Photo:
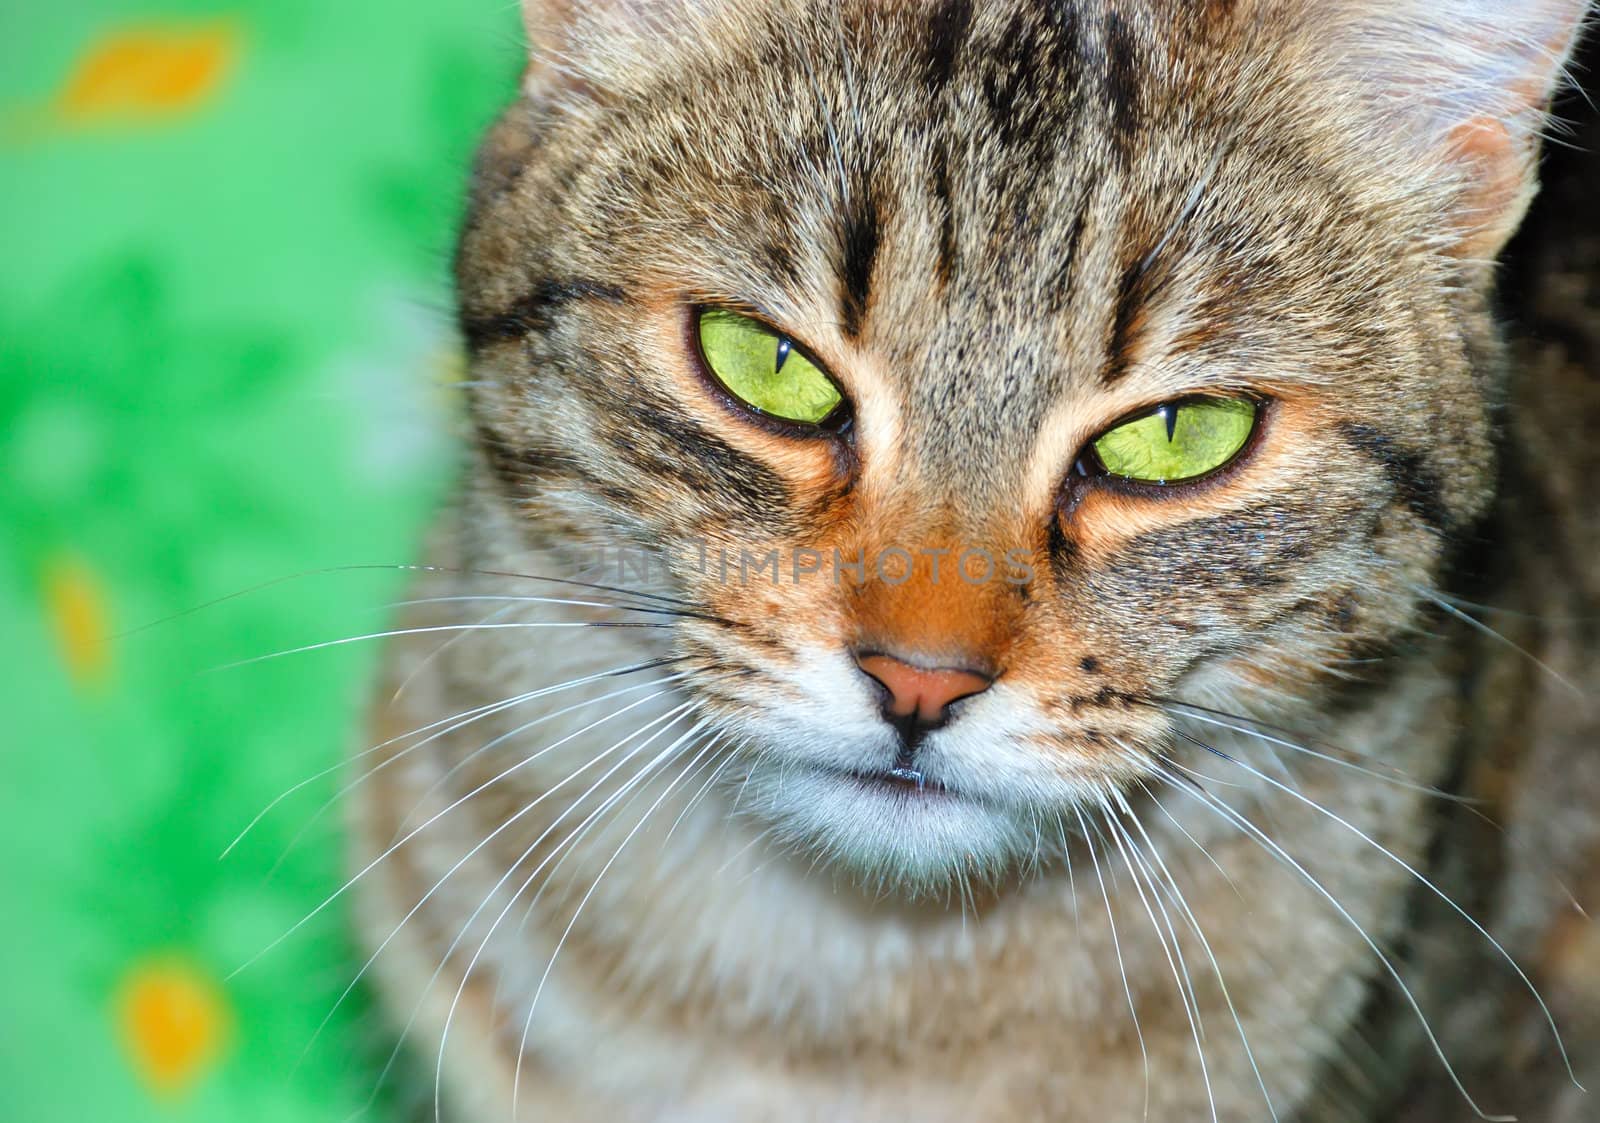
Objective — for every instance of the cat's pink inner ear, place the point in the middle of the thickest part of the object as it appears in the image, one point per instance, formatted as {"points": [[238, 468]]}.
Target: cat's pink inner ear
{"points": [[1498, 148], [1499, 184]]}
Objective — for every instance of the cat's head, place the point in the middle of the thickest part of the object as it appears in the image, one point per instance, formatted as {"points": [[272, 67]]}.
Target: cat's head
{"points": [[988, 373]]}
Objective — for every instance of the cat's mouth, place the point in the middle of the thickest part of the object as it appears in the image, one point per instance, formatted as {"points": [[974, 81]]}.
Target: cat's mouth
{"points": [[892, 825], [908, 781]]}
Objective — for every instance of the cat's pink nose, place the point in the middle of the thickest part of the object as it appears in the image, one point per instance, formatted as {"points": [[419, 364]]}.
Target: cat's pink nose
{"points": [[919, 692]]}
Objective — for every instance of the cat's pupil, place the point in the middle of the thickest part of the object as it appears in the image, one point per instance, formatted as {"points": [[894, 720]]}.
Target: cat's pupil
{"points": [[784, 347], [1169, 414]]}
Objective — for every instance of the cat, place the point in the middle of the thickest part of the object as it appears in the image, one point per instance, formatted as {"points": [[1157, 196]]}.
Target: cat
{"points": [[1006, 569]]}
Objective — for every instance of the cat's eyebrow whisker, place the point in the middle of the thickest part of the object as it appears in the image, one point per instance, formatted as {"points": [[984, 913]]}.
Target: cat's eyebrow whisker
{"points": [[1428, 883], [1191, 204], [1168, 940], [374, 863], [462, 719], [1116, 946], [670, 718], [836, 150], [466, 976], [1231, 815]]}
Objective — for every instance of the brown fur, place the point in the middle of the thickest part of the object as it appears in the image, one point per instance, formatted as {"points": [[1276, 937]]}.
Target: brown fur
{"points": [[1002, 227]]}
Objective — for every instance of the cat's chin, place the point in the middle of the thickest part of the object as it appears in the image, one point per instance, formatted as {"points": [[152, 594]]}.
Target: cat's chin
{"points": [[890, 832]]}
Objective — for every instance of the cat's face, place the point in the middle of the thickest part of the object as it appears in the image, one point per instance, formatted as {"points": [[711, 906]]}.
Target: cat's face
{"points": [[991, 233]]}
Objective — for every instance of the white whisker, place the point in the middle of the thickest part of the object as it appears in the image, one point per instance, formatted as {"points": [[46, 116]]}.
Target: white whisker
{"points": [[1179, 969], [573, 920], [1261, 838], [466, 975], [512, 601], [1256, 731], [1480, 626], [373, 864], [432, 629], [465, 858], [1116, 946], [439, 649], [461, 721], [1499, 948], [456, 767], [1177, 896]]}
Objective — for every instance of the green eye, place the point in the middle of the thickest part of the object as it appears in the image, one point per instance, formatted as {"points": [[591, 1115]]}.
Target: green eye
{"points": [[1179, 440], [765, 370]]}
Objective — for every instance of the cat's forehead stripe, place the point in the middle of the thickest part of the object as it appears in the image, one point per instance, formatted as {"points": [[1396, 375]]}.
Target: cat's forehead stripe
{"points": [[1029, 70], [1133, 291], [1122, 84], [862, 235], [949, 27], [949, 249]]}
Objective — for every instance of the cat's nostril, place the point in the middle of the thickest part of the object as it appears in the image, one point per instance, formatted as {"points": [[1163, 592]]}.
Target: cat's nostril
{"points": [[921, 694]]}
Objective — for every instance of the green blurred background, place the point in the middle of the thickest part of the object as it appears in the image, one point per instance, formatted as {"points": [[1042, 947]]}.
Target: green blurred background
{"points": [[225, 359]]}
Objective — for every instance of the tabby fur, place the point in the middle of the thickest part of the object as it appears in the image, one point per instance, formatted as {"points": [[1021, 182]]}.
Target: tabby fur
{"points": [[1173, 862]]}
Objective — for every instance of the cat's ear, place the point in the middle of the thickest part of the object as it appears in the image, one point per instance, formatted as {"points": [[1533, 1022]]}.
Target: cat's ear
{"points": [[581, 44], [1466, 86], [556, 31]]}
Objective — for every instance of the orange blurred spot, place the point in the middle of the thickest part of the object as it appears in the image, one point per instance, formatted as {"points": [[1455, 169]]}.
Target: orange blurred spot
{"points": [[76, 603], [174, 1021], [141, 73]]}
